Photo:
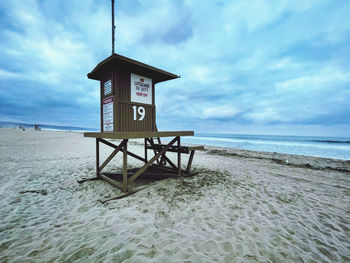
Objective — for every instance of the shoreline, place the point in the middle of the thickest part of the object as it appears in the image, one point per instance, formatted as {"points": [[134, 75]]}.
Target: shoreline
{"points": [[343, 143], [242, 206]]}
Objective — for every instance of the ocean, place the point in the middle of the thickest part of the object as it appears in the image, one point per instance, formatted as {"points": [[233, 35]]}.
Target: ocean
{"points": [[329, 147]]}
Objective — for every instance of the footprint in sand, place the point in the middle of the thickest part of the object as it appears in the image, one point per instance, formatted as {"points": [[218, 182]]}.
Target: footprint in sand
{"points": [[161, 219]]}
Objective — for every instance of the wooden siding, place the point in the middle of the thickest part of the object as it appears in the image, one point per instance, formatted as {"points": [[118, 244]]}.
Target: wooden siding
{"points": [[122, 85], [125, 117], [123, 113]]}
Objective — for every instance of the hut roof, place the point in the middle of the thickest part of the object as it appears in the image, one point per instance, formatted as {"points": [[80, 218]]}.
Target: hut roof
{"points": [[116, 61]]}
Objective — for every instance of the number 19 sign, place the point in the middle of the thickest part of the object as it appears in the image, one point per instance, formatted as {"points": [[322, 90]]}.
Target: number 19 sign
{"points": [[139, 111]]}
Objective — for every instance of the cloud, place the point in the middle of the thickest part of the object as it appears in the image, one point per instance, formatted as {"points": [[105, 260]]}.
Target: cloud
{"points": [[220, 112], [242, 63], [306, 98], [4, 74], [326, 79]]}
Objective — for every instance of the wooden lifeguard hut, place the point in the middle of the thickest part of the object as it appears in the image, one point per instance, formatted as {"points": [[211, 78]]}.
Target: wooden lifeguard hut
{"points": [[128, 111], [127, 93]]}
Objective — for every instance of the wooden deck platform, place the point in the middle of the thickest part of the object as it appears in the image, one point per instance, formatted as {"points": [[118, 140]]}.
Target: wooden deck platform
{"points": [[159, 158], [137, 135]]}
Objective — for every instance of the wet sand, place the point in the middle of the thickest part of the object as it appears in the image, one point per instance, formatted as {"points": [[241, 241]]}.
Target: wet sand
{"points": [[243, 206]]}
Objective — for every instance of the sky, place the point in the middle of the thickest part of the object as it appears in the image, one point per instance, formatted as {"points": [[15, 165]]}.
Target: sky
{"points": [[246, 67]]}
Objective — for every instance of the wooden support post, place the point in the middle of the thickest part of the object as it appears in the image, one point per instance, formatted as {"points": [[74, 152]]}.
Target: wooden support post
{"points": [[136, 156], [151, 141], [165, 158], [111, 181], [125, 165], [141, 170], [110, 157], [97, 157], [108, 143], [145, 150], [188, 169], [179, 155]]}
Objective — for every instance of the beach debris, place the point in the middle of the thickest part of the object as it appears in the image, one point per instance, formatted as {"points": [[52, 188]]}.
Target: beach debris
{"points": [[122, 196], [43, 192], [84, 179], [282, 161]]}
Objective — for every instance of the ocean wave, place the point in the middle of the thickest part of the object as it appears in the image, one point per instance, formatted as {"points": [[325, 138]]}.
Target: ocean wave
{"points": [[309, 144], [331, 141]]}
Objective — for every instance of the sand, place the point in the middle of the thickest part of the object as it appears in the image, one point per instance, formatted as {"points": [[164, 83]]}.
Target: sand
{"points": [[243, 206]]}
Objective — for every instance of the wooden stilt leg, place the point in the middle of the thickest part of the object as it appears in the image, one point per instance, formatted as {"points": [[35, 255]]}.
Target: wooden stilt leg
{"points": [[178, 156], [97, 157], [163, 159], [154, 150], [110, 157], [141, 170], [188, 169], [125, 166], [145, 150]]}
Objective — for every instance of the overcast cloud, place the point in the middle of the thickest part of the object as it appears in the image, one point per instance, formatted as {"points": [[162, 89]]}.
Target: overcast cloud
{"points": [[263, 67]]}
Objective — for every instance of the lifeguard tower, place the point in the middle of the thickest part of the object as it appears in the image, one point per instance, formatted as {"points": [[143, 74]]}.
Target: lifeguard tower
{"points": [[128, 111], [127, 91]]}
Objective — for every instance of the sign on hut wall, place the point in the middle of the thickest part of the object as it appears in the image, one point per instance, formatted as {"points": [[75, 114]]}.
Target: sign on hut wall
{"points": [[107, 86], [108, 114], [141, 89]]}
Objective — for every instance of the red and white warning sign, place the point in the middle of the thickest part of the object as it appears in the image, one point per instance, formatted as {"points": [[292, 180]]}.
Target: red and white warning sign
{"points": [[141, 89], [108, 114]]}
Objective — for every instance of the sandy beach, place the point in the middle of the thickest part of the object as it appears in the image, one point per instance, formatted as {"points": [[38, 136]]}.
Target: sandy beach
{"points": [[243, 206]]}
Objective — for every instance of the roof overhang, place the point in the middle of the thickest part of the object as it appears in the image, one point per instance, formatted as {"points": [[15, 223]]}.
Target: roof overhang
{"points": [[116, 61]]}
